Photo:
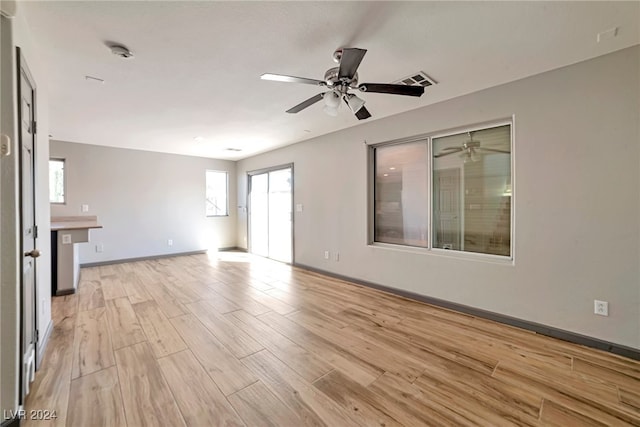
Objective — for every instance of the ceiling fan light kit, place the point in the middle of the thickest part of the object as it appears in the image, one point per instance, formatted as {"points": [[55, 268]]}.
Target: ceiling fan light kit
{"points": [[469, 156], [331, 111], [339, 80], [331, 103], [354, 103], [331, 99]]}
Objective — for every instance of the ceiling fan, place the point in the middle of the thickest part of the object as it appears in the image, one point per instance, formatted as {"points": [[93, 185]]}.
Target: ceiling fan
{"points": [[339, 81], [469, 150]]}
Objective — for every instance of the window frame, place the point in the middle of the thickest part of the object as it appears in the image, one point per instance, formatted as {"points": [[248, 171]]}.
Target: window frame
{"points": [[226, 209], [429, 249], [64, 179]]}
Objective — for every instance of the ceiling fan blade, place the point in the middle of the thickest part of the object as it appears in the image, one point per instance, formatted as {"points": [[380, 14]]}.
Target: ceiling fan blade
{"points": [[494, 150], [305, 104], [392, 89], [291, 79], [363, 113], [453, 151], [350, 61]]}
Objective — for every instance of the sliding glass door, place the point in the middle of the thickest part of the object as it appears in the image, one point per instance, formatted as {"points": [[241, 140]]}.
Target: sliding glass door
{"points": [[270, 214]]}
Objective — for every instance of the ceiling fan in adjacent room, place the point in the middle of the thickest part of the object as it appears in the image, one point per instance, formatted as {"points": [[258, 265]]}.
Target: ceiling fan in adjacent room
{"points": [[469, 150], [340, 80]]}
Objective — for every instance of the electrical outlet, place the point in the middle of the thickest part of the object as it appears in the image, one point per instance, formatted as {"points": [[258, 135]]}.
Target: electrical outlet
{"points": [[99, 247], [336, 256], [170, 242], [326, 254], [66, 239], [601, 307], [84, 208]]}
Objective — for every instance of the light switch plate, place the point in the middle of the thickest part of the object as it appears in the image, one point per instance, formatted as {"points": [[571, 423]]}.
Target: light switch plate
{"points": [[85, 208]]}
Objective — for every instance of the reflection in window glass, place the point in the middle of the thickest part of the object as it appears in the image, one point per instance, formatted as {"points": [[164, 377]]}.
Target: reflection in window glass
{"points": [[401, 194], [472, 191], [216, 194], [56, 181]]}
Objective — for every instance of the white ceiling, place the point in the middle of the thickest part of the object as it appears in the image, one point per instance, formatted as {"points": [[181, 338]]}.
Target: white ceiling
{"points": [[197, 64]]}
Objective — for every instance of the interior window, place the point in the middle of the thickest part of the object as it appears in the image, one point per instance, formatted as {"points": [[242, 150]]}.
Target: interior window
{"points": [[401, 194], [472, 191], [469, 181]]}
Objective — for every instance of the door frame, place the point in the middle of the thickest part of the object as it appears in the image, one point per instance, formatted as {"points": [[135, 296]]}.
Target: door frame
{"points": [[249, 209], [9, 244], [23, 69]]}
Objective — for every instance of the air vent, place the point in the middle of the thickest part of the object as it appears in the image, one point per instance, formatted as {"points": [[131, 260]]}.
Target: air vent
{"points": [[233, 149], [417, 79]]}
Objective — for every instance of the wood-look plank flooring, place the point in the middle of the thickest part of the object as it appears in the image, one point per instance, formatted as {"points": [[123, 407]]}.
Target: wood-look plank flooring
{"points": [[232, 340]]}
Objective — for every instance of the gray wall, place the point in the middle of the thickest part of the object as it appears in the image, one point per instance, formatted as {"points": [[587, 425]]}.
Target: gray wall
{"points": [[576, 199], [142, 199]]}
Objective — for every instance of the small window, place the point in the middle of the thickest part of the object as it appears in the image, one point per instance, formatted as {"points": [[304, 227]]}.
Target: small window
{"points": [[217, 202], [401, 194], [56, 181]]}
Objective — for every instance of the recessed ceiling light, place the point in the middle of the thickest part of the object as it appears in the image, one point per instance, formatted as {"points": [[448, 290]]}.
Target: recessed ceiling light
{"points": [[198, 139], [386, 174], [392, 168]]}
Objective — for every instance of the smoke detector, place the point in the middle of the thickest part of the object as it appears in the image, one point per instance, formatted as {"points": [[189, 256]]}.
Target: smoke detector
{"points": [[121, 51]]}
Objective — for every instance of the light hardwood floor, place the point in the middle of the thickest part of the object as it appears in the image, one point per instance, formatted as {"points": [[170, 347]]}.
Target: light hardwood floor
{"points": [[237, 340]]}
